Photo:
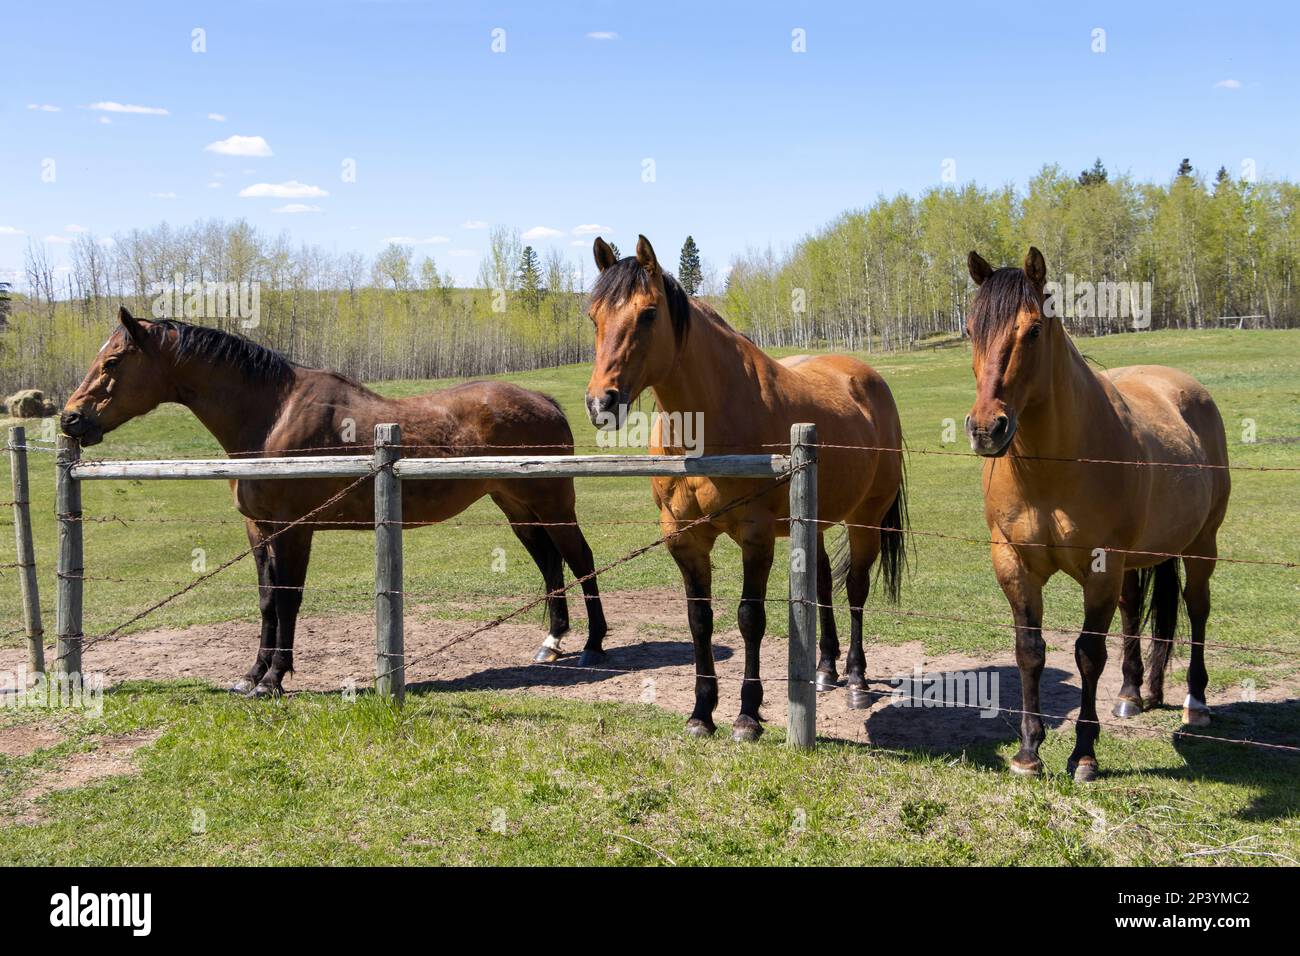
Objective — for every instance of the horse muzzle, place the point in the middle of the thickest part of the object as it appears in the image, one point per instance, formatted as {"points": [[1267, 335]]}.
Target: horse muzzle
{"points": [[993, 438], [607, 411], [86, 430]]}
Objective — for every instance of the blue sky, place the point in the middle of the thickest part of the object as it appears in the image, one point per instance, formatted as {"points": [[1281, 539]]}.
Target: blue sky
{"points": [[753, 144]]}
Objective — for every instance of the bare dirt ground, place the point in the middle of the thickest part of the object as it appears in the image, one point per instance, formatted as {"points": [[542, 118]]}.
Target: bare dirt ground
{"points": [[650, 661]]}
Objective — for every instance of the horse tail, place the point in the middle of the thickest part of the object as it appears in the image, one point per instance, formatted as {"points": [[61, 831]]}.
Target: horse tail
{"points": [[893, 542], [1162, 590], [893, 547]]}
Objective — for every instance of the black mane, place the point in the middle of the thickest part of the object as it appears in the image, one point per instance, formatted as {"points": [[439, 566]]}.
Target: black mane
{"points": [[626, 277], [257, 362], [995, 306]]}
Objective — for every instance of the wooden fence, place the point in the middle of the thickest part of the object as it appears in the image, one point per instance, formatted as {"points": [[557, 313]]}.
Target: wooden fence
{"points": [[391, 469]]}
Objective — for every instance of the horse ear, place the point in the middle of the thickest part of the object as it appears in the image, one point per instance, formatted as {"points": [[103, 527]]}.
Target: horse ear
{"points": [[979, 269], [1036, 268], [133, 327], [645, 254], [604, 254]]}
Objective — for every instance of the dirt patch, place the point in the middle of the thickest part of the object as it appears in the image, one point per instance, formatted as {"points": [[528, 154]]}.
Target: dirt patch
{"points": [[650, 660], [112, 757], [23, 740]]}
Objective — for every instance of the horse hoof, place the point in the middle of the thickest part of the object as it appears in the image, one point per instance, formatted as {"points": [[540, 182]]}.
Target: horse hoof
{"points": [[698, 728], [1026, 767], [243, 687], [1196, 715], [746, 729], [859, 697], [546, 655], [1151, 702], [265, 690], [827, 680], [592, 658], [1083, 770], [1127, 707]]}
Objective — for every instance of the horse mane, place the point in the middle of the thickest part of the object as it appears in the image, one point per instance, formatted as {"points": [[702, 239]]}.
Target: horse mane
{"points": [[257, 362], [626, 277], [995, 306]]}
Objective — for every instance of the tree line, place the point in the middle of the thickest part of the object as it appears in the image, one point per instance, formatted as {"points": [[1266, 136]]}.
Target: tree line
{"points": [[891, 275], [894, 274]]}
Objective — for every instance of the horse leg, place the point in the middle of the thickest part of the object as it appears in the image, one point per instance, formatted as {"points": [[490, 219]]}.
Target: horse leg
{"points": [[573, 547], [1166, 592], [1101, 595], [290, 553], [1129, 703], [266, 602], [1024, 593], [538, 544], [864, 547], [827, 677], [756, 556], [691, 552], [1196, 592]]}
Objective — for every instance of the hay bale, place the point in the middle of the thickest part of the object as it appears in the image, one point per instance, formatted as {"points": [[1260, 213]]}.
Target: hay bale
{"points": [[30, 403]]}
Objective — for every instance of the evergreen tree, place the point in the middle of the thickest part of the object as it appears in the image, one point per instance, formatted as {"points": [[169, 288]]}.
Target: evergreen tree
{"points": [[4, 304], [530, 279], [1185, 167], [688, 268], [1094, 176]]}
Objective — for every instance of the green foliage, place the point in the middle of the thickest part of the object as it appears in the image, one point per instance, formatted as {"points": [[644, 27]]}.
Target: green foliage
{"points": [[893, 275], [688, 269]]}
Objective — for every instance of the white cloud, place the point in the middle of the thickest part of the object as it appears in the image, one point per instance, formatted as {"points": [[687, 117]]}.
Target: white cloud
{"points": [[240, 146], [108, 106], [162, 195], [289, 190], [217, 117], [73, 227], [11, 231], [542, 232], [214, 185], [1228, 85], [294, 207], [57, 240], [591, 229], [43, 107], [473, 224], [602, 35], [105, 121], [412, 241]]}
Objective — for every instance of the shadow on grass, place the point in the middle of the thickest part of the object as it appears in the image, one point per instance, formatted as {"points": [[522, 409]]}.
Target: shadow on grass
{"points": [[976, 727], [1272, 776]]}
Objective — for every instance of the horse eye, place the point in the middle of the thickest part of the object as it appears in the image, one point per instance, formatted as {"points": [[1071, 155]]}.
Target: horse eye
{"points": [[1034, 330], [646, 316], [110, 363]]}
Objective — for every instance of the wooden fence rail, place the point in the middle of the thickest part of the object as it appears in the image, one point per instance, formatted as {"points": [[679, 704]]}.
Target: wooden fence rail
{"points": [[391, 469]]}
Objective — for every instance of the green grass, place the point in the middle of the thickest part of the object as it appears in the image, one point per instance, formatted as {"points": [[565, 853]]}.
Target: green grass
{"points": [[316, 779]]}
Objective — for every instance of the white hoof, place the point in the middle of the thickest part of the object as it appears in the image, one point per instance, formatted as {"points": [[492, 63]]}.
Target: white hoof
{"points": [[549, 652], [1196, 713]]}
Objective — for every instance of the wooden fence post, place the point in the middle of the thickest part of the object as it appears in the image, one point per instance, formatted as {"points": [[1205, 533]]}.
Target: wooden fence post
{"points": [[26, 553], [390, 660], [802, 694], [67, 603]]}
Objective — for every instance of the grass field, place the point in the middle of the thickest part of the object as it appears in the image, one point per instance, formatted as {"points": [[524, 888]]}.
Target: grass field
{"points": [[489, 777]]}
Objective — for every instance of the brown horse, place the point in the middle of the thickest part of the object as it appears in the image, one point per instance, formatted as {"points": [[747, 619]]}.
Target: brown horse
{"points": [[256, 402], [650, 335], [1114, 528]]}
